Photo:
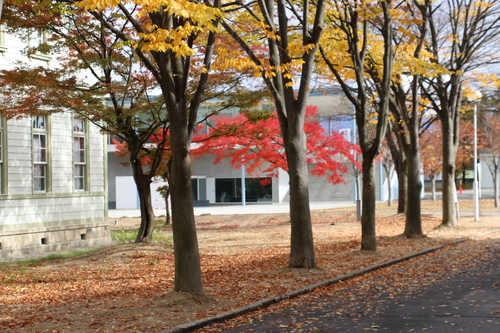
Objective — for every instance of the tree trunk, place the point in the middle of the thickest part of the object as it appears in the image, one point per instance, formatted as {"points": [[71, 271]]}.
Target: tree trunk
{"points": [[399, 161], [302, 246], [413, 225], [389, 187], [448, 187], [167, 207], [433, 182], [402, 190], [146, 228], [368, 235], [186, 253], [495, 185], [143, 185]]}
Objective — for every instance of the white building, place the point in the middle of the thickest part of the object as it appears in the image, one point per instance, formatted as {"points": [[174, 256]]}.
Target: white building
{"points": [[53, 189], [221, 183]]}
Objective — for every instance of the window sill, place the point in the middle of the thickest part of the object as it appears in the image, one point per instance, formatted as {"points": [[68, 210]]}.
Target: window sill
{"points": [[42, 57], [3, 49]]}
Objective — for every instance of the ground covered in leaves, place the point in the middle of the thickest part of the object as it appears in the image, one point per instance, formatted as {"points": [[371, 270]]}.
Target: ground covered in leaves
{"points": [[127, 287]]}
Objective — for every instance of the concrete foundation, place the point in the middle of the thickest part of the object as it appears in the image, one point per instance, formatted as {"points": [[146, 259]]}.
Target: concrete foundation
{"points": [[39, 242]]}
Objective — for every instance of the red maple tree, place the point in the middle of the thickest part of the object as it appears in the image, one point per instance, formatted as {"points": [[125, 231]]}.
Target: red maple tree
{"points": [[259, 146]]}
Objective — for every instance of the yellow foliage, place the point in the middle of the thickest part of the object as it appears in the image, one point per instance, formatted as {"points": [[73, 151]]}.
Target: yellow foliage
{"points": [[486, 80], [154, 38]]}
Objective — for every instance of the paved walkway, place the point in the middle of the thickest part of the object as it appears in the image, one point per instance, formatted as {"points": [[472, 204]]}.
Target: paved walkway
{"points": [[467, 302]]}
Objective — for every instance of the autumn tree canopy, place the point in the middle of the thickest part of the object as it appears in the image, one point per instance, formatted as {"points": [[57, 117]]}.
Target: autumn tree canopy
{"points": [[259, 146]]}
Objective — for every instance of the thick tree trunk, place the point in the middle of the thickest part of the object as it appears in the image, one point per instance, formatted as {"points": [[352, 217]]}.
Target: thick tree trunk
{"points": [[186, 253], [302, 246], [413, 225], [368, 235]]}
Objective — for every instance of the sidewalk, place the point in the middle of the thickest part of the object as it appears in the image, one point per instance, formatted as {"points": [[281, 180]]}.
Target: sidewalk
{"points": [[221, 209], [440, 300], [466, 302]]}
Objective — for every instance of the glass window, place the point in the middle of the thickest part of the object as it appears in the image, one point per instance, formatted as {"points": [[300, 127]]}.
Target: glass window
{"points": [[1, 157], [256, 190], [39, 154], [79, 154], [3, 49], [79, 125]]}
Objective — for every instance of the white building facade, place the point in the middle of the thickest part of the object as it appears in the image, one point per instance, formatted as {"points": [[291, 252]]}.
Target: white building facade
{"points": [[53, 188], [222, 184]]}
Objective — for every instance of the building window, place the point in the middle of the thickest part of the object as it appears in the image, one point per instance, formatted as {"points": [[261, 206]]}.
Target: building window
{"points": [[79, 154], [2, 171], [40, 154], [3, 48], [256, 190], [39, 41]]}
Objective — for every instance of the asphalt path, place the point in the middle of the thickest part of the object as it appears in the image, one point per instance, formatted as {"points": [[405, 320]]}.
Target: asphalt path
{"points": [[469, 301]]}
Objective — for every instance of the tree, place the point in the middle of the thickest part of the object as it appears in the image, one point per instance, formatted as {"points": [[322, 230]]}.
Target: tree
{"points": [[291, 32], [169, 36], [389, 167], [175, 42], [462, 37], [431, 151], [490, 153], [346, 53], [399, 160], [148, 160], [114, 73], [259, 146]]}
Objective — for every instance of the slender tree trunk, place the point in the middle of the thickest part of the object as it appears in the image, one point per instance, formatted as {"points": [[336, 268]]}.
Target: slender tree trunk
{"points": [[359, 191], [495, 184], [143, 185], [413, 225], [146, 228], [186, 253], [302, 246], [368, 234], [433, 182], [167, 207], [402, 190], [399, 160], [389, 172], [448, 187]]}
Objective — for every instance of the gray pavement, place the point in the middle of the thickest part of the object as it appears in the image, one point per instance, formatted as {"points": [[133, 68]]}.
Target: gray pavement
{"points": [[467, 302]]}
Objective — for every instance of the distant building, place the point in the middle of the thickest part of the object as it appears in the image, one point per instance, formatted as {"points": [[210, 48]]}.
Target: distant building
{"points": [[221, 183]]}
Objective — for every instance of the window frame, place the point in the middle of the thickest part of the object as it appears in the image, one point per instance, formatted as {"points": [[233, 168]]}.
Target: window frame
{"points": [[80, 155], [39, 37], [40, 154], [3, 47], [3, 167]]}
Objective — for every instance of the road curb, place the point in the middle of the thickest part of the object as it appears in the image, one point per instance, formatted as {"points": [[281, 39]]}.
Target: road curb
{"points": [[188, 327]]}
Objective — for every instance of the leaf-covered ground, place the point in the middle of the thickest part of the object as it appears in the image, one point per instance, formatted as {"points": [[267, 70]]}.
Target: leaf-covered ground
{"points": [[127, 287]]}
